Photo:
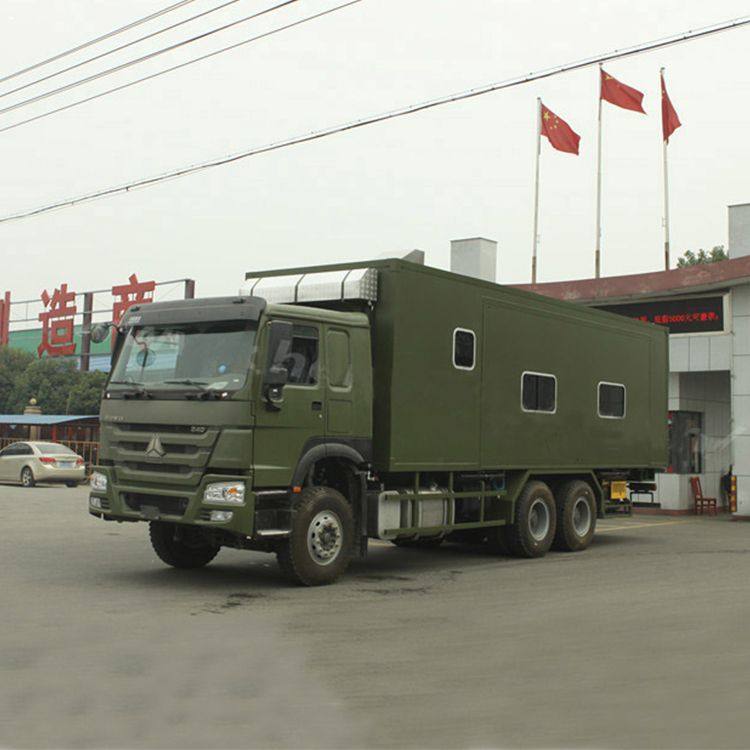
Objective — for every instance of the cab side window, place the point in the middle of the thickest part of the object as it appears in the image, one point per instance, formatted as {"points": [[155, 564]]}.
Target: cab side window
{"points": [[302, 361]]}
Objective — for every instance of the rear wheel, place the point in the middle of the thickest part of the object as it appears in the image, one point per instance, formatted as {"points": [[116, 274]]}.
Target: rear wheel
{"points": [[181, 546], [534, 521], [71, 484], [576, 516], [27, 477], [319, 548]]}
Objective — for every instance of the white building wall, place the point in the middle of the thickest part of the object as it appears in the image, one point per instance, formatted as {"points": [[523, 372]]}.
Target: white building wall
{"points": [[740, 428]]}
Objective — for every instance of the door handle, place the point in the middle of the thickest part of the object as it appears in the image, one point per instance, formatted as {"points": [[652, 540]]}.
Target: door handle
{"points": [[317, 406]]}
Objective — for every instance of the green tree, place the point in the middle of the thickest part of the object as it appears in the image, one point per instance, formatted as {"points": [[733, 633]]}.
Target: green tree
{"points": [[47, 380], [12, 363], [690, 258], [84, 397]]}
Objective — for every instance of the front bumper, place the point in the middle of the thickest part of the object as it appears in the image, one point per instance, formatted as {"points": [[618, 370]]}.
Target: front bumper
{"points": [[123, 502]]}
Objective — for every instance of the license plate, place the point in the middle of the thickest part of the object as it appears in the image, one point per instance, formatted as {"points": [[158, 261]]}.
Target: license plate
{"points": [[66, 464]]}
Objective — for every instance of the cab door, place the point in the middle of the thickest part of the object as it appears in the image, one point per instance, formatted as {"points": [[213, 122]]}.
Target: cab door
{"points": [[294, 421]]}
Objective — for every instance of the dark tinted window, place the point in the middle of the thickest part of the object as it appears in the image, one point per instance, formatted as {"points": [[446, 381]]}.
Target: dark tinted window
{"points": [[18, 449], [539, 392], [464, 345], [611, 400], [302, 361]]}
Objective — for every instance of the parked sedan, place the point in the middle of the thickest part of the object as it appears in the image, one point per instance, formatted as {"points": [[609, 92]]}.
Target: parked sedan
{"points": [[31, 461]]}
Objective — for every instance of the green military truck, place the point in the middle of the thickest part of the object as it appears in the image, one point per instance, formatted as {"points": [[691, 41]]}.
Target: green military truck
{"points": [[329, 405]]}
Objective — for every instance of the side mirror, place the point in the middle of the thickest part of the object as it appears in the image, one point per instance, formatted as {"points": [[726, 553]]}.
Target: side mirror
{"points": [[99, 332], [276, 374]]}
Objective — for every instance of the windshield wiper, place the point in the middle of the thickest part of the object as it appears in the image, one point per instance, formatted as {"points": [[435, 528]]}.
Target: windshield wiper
{"points": [[138, 389], [200, 385], [188, 381]]}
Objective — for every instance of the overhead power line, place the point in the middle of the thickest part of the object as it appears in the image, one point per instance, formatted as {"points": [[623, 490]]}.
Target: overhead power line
{"points": [[158, 73], [117, 49], [144, 58], [98, 39], [412, 109]]}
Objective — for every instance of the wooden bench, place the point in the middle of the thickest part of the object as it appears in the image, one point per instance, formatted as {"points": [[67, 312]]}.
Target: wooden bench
{"points": [[702, 503]]}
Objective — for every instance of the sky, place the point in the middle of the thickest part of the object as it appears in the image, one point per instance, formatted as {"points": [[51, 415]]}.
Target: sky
{"points": [[463, 170]]}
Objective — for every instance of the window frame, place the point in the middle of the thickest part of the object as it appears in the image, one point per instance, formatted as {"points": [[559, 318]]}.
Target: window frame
{"points": [[297, 324], [459, 329], [599, 400], [543, 375]]}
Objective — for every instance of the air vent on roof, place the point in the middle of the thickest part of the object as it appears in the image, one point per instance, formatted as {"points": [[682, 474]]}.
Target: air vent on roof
{"points": [[315, 286]]}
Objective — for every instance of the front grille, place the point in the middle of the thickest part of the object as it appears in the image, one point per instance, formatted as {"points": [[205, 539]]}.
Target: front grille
{"points": [[168, 505], [183, 450], [176, 428], [161, 468], [158, 453]]}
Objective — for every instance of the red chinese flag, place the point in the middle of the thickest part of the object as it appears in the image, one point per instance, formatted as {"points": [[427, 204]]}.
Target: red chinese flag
{"points": [[617, 93], [669, 120], [560, 134]]}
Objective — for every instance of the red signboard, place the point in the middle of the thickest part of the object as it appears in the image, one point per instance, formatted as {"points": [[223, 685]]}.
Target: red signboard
{"points": [[693, 315]]}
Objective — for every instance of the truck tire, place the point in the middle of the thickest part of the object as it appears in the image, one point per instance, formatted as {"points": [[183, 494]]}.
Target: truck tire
{"points": [[576, 516], [27, 477], [192, 550], [319, 548], [533, 529]]}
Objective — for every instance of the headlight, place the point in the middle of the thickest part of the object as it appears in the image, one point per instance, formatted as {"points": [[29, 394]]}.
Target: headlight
{"points": [[225, 493], [98, 482]]}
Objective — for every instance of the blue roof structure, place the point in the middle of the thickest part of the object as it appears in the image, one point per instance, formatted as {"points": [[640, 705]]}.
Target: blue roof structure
{"points": [[44, 419]]}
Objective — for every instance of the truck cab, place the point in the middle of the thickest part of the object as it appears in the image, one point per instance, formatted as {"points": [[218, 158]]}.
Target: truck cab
{"points": [[217, 411]]}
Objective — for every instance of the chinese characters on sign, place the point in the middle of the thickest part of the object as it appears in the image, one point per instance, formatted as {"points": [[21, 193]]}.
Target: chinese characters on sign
{"points": [[693, 315], [57, 323], [134, 293], [58, 317], [5, 319]]}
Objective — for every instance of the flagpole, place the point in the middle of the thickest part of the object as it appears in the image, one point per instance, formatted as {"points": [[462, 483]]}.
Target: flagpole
{"points": [[666, 193], [598, 254], [536, 187]]}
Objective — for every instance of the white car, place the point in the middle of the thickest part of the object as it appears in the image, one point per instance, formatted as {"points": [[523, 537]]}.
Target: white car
{"points": [[29, 462]]}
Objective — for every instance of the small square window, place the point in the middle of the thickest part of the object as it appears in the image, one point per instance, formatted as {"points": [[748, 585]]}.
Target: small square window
{"points": [[611, 400], [464, 349], [539, 392]]}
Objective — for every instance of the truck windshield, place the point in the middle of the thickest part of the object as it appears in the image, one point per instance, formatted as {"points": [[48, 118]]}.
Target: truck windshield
{"points": [[211, 356]]}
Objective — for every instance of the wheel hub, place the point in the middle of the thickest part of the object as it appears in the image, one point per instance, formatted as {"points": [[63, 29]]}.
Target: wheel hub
{"points": [[324, 537], [539, 520], [581, 516]]}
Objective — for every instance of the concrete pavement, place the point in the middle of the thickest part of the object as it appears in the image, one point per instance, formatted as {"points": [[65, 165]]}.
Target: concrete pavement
{"points": [[641, 641]]}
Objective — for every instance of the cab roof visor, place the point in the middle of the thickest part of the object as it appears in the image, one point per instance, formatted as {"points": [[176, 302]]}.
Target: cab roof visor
{"points": [[199, 310]]}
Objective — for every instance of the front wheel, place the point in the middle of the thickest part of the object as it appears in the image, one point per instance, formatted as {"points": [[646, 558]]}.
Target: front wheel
{"points": [[71, 484], [27, 477], [181, 546], [319, 548]]}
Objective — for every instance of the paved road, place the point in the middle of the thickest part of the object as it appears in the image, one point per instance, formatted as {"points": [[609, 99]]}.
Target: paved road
{"points": [[642, 641]]}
